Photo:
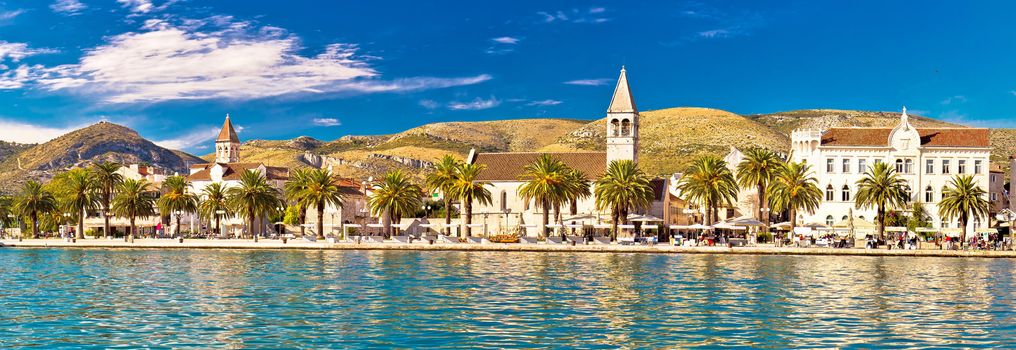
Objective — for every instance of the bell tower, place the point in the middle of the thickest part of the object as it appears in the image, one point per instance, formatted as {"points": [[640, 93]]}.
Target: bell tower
{"points": [[227, 145], [622, 123]]}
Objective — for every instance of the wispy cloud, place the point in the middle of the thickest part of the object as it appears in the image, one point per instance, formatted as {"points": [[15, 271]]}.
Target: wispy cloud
{"points": [[714, 23], [476, 104], [196, 137], [589, 82], [591, 15], [20, 132], [325, 122], [544, 103], [145, 6], [506, 40], [9, 15], [18, 51], [716, 33], [429, 104], [227, 60], [954, 99], [68, 7]]}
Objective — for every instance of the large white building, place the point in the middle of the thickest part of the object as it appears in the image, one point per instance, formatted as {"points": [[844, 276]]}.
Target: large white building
{"points": [[927, 158], [503, 171]]}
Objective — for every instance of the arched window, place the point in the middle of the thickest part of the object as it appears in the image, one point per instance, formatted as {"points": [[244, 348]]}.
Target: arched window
{"points": [[861, 217], [625, 127], [846, 193], [829, 193], [929, 195], [944, 189], [615, 128], [504, 201], [899, 165], [829, 220], [845, 218], [908, 166]]}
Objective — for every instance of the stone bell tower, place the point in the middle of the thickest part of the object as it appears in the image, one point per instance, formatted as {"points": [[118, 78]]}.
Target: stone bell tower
{"points": [[622, 123], [227, 145]]}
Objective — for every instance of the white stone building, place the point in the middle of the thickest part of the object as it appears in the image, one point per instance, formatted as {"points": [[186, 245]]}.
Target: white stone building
{"points": [[503, 170], [927, 158]]}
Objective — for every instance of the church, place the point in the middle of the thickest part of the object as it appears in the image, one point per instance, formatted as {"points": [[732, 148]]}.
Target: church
{"points": [[503, 170]]}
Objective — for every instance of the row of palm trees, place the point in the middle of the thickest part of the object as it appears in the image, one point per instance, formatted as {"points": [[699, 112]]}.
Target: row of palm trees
{"points": [[787, 186]]}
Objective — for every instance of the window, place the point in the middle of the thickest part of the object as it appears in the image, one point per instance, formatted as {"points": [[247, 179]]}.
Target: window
{"points": [[961, 166], [829, 193], [929, 195], [829, 220], [861, 217], [845, 195], [977, 167], [844, 218], [899, 165], [626, 127], [908, 166], [929, 166], [994, 196], [944, 189], [846, 166], [504, 201], [830, 165], [615, 127], [993, 178], [945, 166], [862, 166]]}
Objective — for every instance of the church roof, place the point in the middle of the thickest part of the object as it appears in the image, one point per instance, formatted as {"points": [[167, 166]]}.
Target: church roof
{"points": [[622, 102], [509, 166], [232, 171], [930, 137], [227, 133]]}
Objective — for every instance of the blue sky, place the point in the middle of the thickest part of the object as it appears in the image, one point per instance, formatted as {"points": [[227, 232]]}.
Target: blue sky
{"points": [[173, 69]]}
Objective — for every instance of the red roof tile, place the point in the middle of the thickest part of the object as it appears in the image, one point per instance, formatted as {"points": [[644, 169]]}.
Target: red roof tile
{"points": [[509, 166], [879, 137]]}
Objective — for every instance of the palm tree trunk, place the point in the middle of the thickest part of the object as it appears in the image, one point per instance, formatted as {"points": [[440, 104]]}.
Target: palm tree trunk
{"points": [[105, 215], [448, 215], [880, 217], [467, 207], [176, 230], [963, 226], [133, 229], [35, 224], [250, 224], [614, 221], [81, 226], [320, 220], [303, 220], [545, 218]]}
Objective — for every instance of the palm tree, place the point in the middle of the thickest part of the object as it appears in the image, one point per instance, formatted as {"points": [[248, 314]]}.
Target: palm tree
{"points": [[107, 180], [467, 189], [883, 189], [213, 204], [296, 184], [34, 201], [546, 184], [394, 197], [709, 183], [6, 212], [442, 179], [962, 199], [757, 169], [623, 188], [319, 188], [176, 199], [793, 189], [76, 189], [253, 198], [133, 200]]}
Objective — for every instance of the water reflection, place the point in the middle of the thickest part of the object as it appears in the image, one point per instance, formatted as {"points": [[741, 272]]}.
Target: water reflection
{"points": [[241, 299]]}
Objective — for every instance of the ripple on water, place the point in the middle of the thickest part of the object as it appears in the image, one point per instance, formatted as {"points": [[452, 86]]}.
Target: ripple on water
{"points": [[313, 299]]}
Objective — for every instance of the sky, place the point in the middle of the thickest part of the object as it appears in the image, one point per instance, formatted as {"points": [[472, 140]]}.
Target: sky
{"points": [[172, 69]]}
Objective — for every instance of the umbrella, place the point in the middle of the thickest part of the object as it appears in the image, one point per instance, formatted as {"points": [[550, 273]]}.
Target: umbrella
{"points": [[579, 217], [815, 225], [896, 229], [643, 218], [746, 221], [782, 226], [853, 223]]}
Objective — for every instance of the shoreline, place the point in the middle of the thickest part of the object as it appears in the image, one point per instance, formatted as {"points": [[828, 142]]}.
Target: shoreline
{"points": [[491, 247]]}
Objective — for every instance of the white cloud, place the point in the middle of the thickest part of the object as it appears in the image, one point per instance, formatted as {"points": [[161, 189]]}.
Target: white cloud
{"points": [[326, 122], [17, 51], [9, 15], [506, 40], [144, 6], [236, 61], [589, 82], [544, 103], [597, 10], [196, 137], [429, 104], [593, 15], [474, 105], [954, 99], [68, 7], [715, 33], [19, 132]]}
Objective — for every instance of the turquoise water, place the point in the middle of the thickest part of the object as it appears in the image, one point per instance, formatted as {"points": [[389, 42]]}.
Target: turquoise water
{"points": [[79, 298]]}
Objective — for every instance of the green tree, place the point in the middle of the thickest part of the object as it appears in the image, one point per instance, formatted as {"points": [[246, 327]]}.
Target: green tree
{"points": [[396, 195], [298, 180], [34, 201], [6, 212], [882, 188], [467, 189], [75, 190], [134, 199], [709, 183], [442, 178], [757, 170], [177, 199], [545, 183], [107, 180], [963, 199], [918, 217], [320, 188], [254, 197], [213, 204], [795, 189], [623, 188]]}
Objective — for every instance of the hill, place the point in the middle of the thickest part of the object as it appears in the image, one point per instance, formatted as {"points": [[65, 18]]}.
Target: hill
{"points": [[102, 141]]}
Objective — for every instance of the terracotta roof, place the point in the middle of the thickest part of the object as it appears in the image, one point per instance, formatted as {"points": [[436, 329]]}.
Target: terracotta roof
{"points": [[659, 188], [227, 133], [350, 187], [233, 171], [622, 101], [931, 137], [509, 166]]}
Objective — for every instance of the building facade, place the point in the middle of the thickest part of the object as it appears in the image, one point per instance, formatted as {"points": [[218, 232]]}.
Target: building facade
{"points": [[926, 158]]}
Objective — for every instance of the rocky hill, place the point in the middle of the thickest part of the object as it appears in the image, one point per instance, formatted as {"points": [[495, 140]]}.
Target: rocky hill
{"points": [[102, 141]]}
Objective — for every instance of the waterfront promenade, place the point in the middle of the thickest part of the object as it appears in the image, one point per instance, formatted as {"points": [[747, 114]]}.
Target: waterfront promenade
{"points": [[510, 247]]}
